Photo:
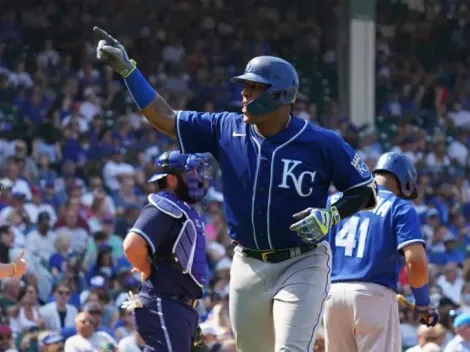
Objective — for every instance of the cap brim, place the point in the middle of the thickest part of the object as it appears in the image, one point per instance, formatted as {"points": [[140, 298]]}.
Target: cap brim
{"points": [[156, 177], [250, 77]]}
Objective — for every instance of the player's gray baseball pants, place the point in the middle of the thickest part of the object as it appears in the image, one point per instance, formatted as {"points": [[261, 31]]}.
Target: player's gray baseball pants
{"points": [[277, 307], [361, 317]]}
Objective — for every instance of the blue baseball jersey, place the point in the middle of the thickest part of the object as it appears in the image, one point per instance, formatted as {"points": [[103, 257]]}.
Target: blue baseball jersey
{"points": [[160, 231], [367, 246], [266, 180]]}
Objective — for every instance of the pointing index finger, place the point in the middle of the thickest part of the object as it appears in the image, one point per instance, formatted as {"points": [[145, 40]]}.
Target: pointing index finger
{"points": [[103, 35]]}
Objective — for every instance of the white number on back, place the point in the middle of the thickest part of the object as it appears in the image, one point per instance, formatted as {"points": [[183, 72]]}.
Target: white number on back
{"points": [[352, 232]]}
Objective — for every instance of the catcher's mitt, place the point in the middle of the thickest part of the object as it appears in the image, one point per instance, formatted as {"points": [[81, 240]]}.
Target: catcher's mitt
{"points": [[198, 342]]}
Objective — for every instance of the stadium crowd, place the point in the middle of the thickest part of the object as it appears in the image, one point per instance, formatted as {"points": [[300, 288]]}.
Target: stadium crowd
{"points": [[75, 153]]}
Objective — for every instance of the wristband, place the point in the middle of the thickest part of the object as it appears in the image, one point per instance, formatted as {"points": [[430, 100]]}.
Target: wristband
{"points": [[140, 89], [421, 295], [14, 269]]}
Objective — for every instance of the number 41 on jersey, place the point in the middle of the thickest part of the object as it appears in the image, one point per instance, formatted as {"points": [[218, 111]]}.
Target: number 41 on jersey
{"points": [[353, 234]]}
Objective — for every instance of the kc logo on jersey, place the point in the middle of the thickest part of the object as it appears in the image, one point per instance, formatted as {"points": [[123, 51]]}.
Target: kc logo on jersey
{"points": [[360, 166], [288, 173]]}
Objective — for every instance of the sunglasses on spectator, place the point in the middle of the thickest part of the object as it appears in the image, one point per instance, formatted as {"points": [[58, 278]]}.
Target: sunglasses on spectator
{"points": [[63, 293], [4, 337], [94, 312]]}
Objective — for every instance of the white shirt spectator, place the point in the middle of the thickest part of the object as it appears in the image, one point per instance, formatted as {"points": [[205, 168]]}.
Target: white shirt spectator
{"points": [[50, 314], [457, 344], [449, 289], [21, 186], [41, 246], [33, 210], [49, 56], [82, 122], [460, 118], [172, 53], [20, 79], [88, 198], [432, 161], [77, 343], [459, 152], [129, 344], [78, 237], [112, 170]]}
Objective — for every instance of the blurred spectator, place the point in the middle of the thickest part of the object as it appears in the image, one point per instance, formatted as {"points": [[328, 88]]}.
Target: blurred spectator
{"points": [[131, 343], [426, 335], [87, 338], [59, 314], [25, 315], [461, 342], [50, 341]]}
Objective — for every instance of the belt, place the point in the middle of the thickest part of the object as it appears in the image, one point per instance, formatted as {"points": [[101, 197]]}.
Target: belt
{"points": [[190, 302], [277, 256]]}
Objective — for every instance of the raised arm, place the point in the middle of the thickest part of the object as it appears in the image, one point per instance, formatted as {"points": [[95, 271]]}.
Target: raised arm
{"points": [[155, 109]]}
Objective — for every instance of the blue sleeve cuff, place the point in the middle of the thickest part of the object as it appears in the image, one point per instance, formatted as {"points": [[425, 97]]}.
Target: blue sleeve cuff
{"points": [[140, 89], [421, 295]]}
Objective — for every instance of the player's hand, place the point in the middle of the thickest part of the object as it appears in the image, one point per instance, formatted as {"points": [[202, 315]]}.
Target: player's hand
{"points": [[427, 316], [20, 265], [111, 52], [132, 302], [315, 223]]}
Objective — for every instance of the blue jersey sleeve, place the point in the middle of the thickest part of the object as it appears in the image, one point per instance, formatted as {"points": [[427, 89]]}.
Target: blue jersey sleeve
{"points": [[198, 132], [406, 225], [348, 170], [153, 225]]}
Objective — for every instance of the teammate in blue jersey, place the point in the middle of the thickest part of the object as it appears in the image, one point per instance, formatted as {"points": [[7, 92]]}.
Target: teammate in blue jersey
{"points": [[167, 246], [276, 172], [361, 312]]}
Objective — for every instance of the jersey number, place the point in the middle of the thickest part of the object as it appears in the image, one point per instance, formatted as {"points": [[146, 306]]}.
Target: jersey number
{"points": [[353, 231]]}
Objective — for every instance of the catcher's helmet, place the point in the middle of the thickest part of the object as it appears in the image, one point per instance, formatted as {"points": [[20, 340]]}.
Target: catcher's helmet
{"points": [[173, 162], [402, 167], [280, 77]]}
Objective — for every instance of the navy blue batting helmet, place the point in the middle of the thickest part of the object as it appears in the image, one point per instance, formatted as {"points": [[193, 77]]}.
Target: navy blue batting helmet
{"points": [[174, 163], [402, 167], [280, 77]]}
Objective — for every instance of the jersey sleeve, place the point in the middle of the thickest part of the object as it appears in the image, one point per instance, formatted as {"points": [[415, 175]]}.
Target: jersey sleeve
{"points": [[347, 169], [154, 226], [197, 132], [406, 225]]}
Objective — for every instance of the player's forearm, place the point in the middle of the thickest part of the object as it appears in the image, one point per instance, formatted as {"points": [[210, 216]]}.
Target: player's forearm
{"points": [[417, 268], [6, 270], [155, 109]]}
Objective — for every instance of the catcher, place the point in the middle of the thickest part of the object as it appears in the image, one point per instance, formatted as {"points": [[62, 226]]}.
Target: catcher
{"points": [[166, 246]]}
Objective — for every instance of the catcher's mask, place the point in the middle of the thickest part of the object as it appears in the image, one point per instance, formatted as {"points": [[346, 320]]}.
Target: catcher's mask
{"points": [[193, 169]]}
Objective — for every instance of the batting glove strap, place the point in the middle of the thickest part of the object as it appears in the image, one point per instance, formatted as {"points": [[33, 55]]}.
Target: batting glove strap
{"points": [[427, 316]]}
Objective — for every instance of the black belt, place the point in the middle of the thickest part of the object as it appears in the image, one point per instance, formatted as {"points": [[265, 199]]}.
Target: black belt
{"points": [[277, 256], [190, 302]]}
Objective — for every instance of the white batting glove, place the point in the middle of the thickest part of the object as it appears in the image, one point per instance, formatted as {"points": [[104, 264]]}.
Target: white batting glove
{"points": [[133, 302]]}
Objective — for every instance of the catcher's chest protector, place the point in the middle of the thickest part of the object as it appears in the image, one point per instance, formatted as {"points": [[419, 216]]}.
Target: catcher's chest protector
{"points": [[189, 248]]}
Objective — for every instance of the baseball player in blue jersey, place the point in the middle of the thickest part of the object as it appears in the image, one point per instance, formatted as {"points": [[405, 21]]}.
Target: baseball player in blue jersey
{"points": [[361, 312], [167, 246], [276, 172]]}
